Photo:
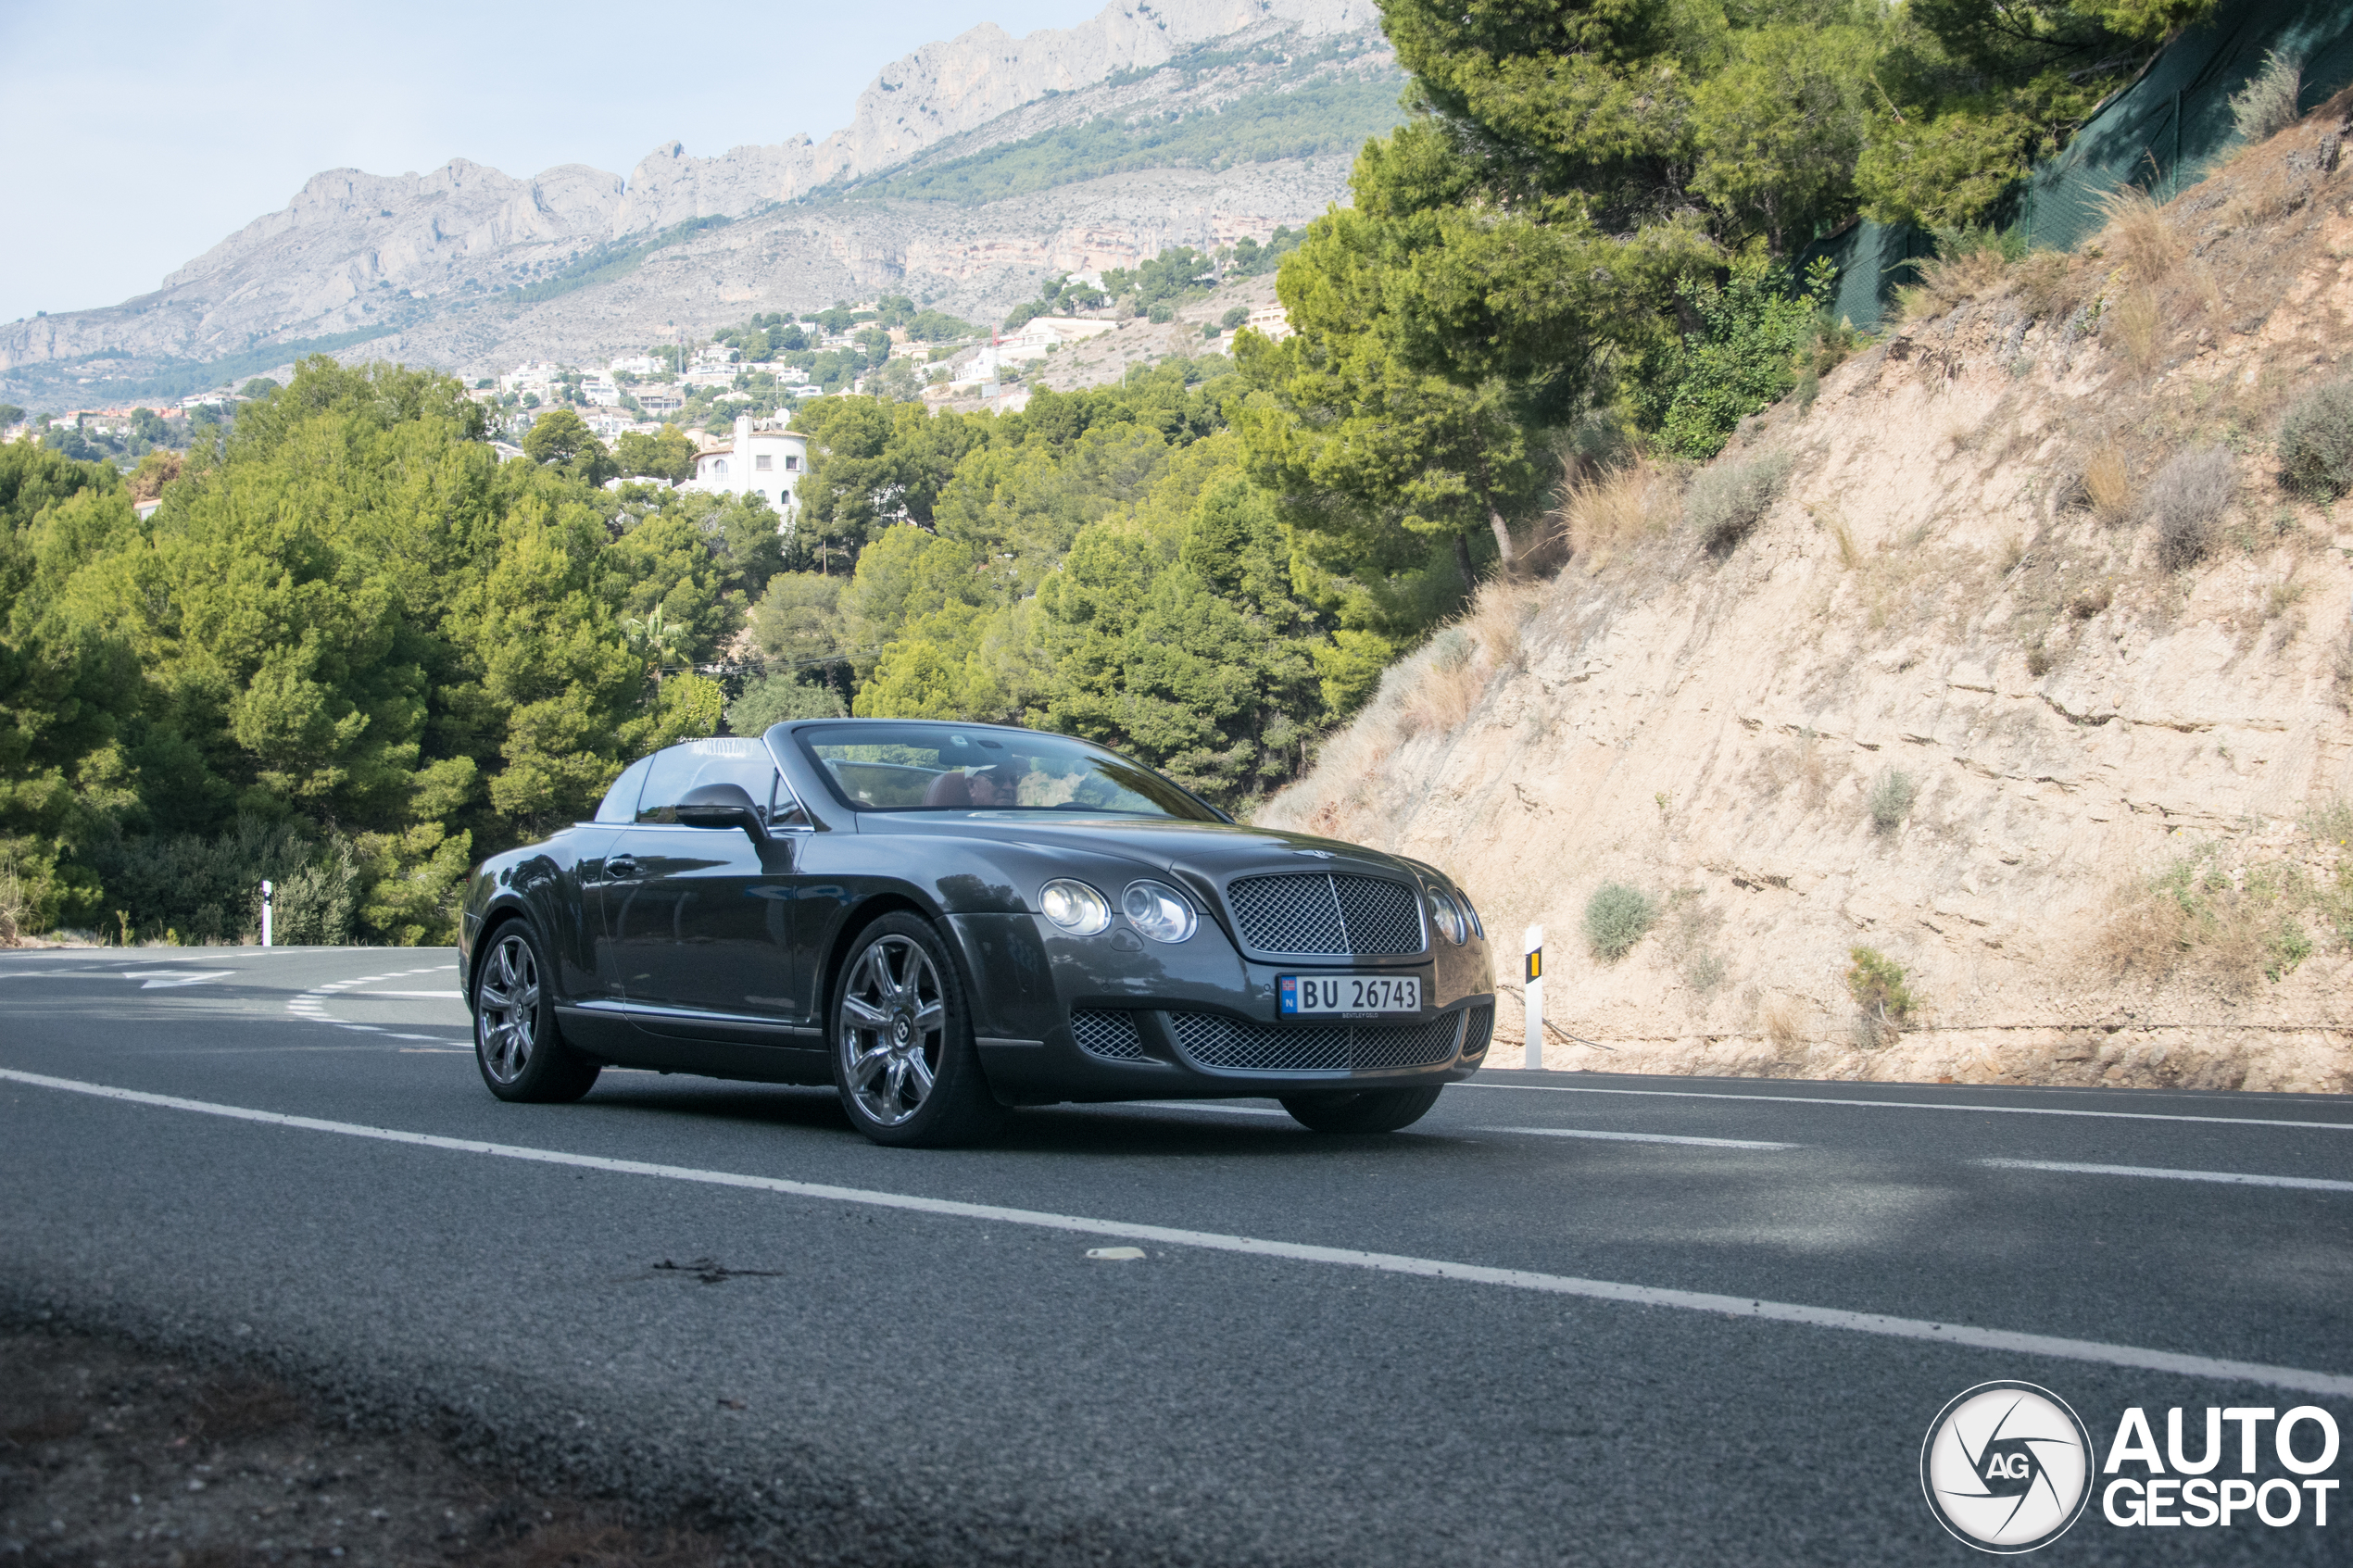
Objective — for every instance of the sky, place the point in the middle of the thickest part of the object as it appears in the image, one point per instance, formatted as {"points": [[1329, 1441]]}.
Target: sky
{"points": [[141, 134]]}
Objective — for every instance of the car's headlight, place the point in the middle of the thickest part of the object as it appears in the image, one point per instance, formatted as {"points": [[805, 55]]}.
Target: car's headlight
{"points": [[1448, 916], [1471, 913], [1074, 907], [1158, 911]]}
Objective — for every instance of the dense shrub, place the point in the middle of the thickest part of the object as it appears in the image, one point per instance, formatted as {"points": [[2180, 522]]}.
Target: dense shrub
{"points": [[2186, 501], [207, 888], [776, 698], [1617, 917], [1725, 501], [1883, 1000], [2266, 105], [1745, 359], [2316, 443], [1890, 797]]}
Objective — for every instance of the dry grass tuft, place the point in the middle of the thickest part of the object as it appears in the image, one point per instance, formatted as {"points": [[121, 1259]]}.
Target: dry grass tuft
{"points": [[2050, 284], [1952, 280], [2135, 327], [2266, 105], [1616, 510], [2107, 485], [2138, 231], [1783, 1026], [2186, 501], [2232, 929]]}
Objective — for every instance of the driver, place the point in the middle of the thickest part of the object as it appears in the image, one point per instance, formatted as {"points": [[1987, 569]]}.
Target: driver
{"points": [[996, 785]]}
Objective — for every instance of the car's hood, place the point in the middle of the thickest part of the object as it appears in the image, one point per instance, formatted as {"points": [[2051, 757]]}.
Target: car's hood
{"points": [[1214, 851]]}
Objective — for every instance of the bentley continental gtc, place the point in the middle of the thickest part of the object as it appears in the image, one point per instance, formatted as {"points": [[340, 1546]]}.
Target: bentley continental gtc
{"points": [[943, 921]]}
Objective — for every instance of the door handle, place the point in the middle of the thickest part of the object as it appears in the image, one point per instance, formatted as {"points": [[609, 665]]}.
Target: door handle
{"points": [[620, 869]]}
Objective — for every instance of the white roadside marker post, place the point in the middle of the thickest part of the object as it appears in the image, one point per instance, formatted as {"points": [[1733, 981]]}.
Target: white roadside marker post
{"points": [[265, 914], [1532, 978]]}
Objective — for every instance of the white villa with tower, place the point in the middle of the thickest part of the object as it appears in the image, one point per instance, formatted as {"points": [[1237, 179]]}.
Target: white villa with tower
{"points": [[762, 459]]}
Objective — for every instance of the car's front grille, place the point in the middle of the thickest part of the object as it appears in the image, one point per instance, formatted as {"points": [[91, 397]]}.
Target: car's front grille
{"points": [[1480, 1031], [1108, 1035], [1214, 1040], [1325, 915]]}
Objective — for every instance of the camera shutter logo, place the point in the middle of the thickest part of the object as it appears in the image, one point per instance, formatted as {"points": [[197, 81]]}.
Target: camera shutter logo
{"points": [[2006, 1467]]}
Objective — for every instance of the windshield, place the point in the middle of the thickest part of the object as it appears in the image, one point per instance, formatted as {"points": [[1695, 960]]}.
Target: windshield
{"points": [[884, 767]]}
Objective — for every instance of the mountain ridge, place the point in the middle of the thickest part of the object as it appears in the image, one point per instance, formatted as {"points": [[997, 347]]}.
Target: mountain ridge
{"points": [[359, 258]]}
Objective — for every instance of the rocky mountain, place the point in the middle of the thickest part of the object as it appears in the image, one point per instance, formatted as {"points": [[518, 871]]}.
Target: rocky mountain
{"points": [[2007, 659], [470, 268]]}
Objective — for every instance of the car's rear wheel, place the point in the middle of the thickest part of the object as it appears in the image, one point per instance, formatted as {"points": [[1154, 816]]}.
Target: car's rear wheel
{"points": [[521, 1054], [904, 1059], [1365, 1110]]}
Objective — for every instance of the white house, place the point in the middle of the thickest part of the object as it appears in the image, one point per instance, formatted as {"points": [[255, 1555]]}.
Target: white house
{"points": [[763, 459], [1270, 321], [636, 365]]}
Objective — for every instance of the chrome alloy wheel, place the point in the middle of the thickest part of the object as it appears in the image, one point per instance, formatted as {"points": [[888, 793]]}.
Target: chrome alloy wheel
{"points": [[894, 1029], [507, 1008]]}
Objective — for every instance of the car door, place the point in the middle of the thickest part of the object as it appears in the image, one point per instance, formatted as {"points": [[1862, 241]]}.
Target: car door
{"points": [[699, 919]]}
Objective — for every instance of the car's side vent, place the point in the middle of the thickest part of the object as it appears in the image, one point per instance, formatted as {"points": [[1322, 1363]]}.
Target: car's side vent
{"points": [[1111, 1035], [1482, 1030]]}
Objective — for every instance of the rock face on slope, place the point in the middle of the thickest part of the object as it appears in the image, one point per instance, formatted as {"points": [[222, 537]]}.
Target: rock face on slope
{"points": [[1969, 693], [421, 266]]}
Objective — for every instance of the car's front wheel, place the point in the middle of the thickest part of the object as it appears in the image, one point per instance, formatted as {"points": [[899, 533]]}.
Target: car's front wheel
{"points": [[903, 1055], [1365, 1110], [522, 1055]]}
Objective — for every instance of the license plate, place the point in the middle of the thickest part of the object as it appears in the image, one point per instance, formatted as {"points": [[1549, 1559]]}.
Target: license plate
{"points": [[1304, 994]]}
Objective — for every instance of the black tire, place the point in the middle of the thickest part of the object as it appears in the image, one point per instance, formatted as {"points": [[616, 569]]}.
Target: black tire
{"points": [[1366, 1110], [517, 1045], [904, 1063]]}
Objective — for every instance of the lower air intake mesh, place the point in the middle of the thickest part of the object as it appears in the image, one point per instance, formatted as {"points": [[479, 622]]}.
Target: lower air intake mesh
{"points": [[1214, 1040], [1482, 1029], [1108, 1035]]}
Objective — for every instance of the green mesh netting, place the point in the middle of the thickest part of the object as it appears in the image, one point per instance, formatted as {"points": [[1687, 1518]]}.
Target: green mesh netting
{"points": [[2163, 133]]}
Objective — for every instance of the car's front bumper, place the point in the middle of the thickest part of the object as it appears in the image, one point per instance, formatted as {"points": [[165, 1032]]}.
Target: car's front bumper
{"points": [[1061, 1018]]}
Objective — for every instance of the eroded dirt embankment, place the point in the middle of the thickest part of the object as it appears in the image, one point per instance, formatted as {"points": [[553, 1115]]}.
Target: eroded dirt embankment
{"points": [[1965, 693]]}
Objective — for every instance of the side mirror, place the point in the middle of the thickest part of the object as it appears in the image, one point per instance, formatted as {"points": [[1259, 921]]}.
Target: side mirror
{"points": [[723, 806]]}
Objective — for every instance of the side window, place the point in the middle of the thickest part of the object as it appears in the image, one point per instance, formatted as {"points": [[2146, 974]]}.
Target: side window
{"points": [[726, 759], [619, 803]]}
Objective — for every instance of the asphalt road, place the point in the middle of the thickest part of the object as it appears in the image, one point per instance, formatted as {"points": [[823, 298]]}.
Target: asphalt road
{"points": [[1566, 1318]]}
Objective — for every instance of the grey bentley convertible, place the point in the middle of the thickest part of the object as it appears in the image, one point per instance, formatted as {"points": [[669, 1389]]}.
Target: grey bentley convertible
{"points": [[946, 920]]}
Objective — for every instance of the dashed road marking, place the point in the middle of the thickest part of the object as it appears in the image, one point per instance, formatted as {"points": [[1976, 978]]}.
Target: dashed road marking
{"points": [[2011, 1342], [2230, 1178], [1916, 1105], [1637, 1137]]}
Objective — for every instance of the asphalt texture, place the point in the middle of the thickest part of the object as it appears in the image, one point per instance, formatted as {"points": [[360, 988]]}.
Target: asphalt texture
{"points": [[853, 1380]]}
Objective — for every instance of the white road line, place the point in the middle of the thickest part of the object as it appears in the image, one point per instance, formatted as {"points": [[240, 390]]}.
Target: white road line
{"points": [[1197, 1105], [1637, 1137], [164, 979], [2232, 1178], [442, 996], [1917, 1105], [2297, 1378]]}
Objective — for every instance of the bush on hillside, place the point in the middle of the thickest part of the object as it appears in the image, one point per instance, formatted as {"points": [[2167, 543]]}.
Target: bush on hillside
{"points": [[2186, 501], [2266, 105], [1890, 797], [2316, 443], [1746, 357], [1617, 917], [1882, 1000], [1725, 501]]}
